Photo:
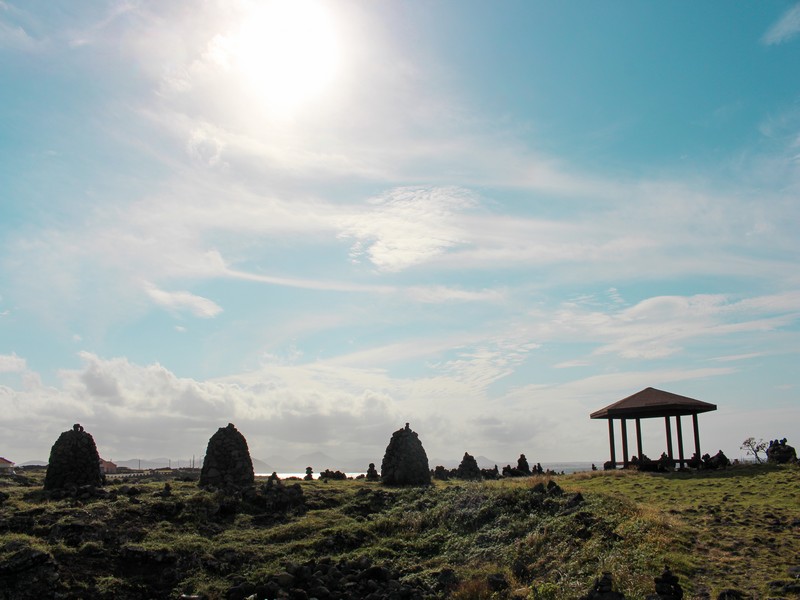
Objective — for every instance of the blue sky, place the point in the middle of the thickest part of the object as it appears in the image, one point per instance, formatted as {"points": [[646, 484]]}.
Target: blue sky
{"points": [[320, 221]]}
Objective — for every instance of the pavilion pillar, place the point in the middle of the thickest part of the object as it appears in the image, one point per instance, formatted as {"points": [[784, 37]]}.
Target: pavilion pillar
{"points": [[611, 441], [624, 443], [669, 438], [696, 436], [639, 438], [680, 439]]}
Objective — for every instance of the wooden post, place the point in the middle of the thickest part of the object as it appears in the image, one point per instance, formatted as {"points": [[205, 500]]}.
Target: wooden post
{"points": [[639, 439], [669, 438], [624, 443], [680, 440], [696, 436], [611, 441]]}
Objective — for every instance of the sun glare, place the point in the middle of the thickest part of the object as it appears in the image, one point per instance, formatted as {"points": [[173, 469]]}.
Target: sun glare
{"points": [[288, 51]]}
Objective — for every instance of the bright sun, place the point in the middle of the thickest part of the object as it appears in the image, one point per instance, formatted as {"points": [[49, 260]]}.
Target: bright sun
{"points": [[288, 51]]}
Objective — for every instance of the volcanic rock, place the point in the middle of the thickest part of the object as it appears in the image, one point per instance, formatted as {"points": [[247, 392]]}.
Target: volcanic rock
{"points": [[74, 462], [405, 461], [227, 464]]}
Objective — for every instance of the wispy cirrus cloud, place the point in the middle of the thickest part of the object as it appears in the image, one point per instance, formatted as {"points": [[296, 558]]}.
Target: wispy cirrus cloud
{"points": [[661, 326], [787, 27], [183, 301], [408, 226]]}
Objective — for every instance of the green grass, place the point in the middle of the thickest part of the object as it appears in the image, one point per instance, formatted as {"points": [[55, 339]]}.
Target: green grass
{"points": [[734, 528]]}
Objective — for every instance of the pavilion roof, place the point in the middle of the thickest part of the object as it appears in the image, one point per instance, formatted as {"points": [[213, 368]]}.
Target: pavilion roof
{"points": [[651, 402]]}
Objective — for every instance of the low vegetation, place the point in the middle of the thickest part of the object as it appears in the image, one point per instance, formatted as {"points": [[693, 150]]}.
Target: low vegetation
{"points": [[735, 528]]}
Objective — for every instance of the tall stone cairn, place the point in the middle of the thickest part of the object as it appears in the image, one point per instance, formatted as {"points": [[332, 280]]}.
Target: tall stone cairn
{"points": [[405, 461], [227, 463], [74, 461], [468, 469]]}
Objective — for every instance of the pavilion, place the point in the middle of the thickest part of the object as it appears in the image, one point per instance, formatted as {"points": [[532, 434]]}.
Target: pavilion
{"points": [[650, 403]]}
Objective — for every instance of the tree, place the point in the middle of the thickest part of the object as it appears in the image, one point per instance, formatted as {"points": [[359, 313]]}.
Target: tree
{"points": [[753, 447]]}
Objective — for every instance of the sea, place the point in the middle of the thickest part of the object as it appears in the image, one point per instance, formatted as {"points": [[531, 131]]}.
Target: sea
{"points": [[558, 467]]}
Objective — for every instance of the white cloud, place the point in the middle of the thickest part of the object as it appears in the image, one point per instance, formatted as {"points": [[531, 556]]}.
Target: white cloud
{"points": [[11, 363], [408, 226], [184, 301], [661, 326], [785, 28]]}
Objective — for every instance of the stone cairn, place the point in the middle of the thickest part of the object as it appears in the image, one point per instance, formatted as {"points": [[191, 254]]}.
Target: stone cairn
{"points": [[405, 461], [468, 469], [372, 473], [603, 589], [227, 464], [667, 587], [74, 461], [779, 452]]}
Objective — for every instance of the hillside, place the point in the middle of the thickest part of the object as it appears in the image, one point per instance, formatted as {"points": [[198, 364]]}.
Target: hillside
{"points": [[525, 538]]}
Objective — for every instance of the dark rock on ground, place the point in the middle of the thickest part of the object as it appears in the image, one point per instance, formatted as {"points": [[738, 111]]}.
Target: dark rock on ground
{"points": [[405, 461], [667, 587], [780, 452], [352, 579], [27, 574], [278, 498], [603, 589], [731, 594]]}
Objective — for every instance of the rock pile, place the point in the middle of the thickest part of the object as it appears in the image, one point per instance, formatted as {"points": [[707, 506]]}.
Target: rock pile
{"points": [[780, 452], [491, 473], [405, 461], [27, 573], [336, 475], [667, 587], [718, 461], [643, 463], [279, 498], [74, 462], [522, 469], [227, 464], [441, 473], [468, 469], [603, 589], [326, 579], [372, 473]]}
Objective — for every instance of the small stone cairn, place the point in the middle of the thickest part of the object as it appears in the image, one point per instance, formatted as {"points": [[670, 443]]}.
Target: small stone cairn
{"points": [[227, 464], [74, 462], [468, 469], [667, 587], [603, 589], [779, 452], [405, 461], [372, 473]]}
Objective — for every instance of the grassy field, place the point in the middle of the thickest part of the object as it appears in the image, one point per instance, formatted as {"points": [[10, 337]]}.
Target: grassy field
{"points": [[737, 528], [734, 528]]}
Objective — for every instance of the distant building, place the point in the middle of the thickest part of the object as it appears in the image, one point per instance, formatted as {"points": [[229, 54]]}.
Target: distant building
{"points": [[6, 466], [107, 467]]}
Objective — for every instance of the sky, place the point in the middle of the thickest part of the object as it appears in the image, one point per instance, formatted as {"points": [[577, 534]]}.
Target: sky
{"points": [[322, 220]]}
